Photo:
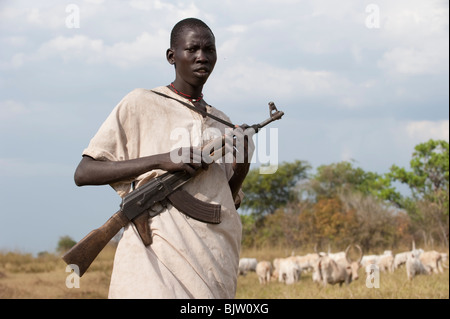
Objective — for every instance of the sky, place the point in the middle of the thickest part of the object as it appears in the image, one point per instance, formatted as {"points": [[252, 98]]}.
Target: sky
{"points": [[359, 81]]}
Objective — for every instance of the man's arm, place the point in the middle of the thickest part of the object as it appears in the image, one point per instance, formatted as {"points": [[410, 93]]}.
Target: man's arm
{"points": [[96, 172], [240, 172], [241, 169]]}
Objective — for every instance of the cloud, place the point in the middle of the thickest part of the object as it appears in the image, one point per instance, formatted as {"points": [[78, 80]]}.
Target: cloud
{"points": [[425, 130], [413, 61], [143, 49], [250, 77], [405, 23]]}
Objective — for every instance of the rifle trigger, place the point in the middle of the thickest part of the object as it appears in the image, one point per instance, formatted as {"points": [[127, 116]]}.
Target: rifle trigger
{"points": [[157, 208]]}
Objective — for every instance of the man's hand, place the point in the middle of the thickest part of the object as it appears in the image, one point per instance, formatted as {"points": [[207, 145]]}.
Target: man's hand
{"points": [[239, 142], [187, 159]]}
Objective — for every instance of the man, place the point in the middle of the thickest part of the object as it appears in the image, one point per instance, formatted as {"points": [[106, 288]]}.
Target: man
{"points": [[172, 255]]}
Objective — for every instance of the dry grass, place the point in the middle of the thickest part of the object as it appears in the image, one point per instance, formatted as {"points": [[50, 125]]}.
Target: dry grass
{"points": [[25, 277]]}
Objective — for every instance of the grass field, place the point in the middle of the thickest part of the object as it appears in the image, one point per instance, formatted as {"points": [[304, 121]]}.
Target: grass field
{"points": [[25, 277]]}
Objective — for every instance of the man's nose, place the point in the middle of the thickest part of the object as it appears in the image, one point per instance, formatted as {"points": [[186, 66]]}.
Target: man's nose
{"points": [[201, 56]]}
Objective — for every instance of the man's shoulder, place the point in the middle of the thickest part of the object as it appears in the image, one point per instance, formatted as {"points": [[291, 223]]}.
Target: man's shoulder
{"points": [[142, 96], [215, 111], [141, 92]]}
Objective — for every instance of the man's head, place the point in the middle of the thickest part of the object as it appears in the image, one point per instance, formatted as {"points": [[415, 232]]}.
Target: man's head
{"points": [[181, 26], [193, 52]]}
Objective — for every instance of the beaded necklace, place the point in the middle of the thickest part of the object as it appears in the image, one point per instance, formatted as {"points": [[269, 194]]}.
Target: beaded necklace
{"points": [[186, 95]]}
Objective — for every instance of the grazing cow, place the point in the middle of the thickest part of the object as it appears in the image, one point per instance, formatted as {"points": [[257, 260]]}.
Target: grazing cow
{"points": [[247, 264], [307, 261], [386, 262], [288, 270], [414, 266], [329, 271], [432, 261], [264, 271], [400, 259]]}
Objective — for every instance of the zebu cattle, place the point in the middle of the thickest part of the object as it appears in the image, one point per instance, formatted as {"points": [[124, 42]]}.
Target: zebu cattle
{"points": [[288, 270], [386, 262], [247, 264], [400, 259], [307, 261], [414, 266], [432, 261], [329, 271], [264, 271]]}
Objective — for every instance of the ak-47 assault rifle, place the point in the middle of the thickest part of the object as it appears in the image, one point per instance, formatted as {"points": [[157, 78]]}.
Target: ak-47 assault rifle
{"points": [[152, 198]]}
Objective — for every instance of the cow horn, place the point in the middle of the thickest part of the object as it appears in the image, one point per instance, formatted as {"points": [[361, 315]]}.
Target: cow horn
{"points": [[346, 254], [348, 257], [360, 253]]}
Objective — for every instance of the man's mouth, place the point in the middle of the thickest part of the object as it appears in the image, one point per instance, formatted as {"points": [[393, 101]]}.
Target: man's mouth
{"points": [[202, 71]]}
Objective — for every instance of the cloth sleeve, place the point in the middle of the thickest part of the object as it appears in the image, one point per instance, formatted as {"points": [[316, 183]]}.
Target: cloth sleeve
{"points": [[110, 141]]}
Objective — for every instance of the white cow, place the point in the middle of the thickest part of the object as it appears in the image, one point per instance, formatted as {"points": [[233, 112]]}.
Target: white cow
{"points": [[386, 262], [414, 266], [400, 259], [264, 271], [329, 271], [307, 261], [247, 264], [432, 261], [288, 270]]}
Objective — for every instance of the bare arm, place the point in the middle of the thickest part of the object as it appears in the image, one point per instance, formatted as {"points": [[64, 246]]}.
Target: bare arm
{"points": [[96, 172], [240, 172]]}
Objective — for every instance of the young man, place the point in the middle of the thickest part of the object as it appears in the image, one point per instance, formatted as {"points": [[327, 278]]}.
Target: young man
{"points": [[172, 255]]}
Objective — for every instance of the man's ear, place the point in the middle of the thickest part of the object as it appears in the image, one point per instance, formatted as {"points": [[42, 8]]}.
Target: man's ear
{"points": [[170, 56]]}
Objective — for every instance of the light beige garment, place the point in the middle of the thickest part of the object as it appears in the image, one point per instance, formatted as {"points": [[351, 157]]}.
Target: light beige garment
{"points": [[188, 258]]}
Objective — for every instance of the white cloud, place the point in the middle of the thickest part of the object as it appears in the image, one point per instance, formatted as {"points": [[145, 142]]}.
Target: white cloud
{"points": [[415, 36], [412, 61], [425, 130], [144, 48], [245, 78]]}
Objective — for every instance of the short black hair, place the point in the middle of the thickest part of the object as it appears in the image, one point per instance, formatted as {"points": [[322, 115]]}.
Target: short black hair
{"points": [[182, 25]]}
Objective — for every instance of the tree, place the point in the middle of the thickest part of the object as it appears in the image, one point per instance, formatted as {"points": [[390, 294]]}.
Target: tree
{"points": [[264, 193], [428, 181], [338, 178], [65, 243]]}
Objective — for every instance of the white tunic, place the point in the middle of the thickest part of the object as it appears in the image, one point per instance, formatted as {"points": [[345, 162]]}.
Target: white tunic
{"points": [[188, 258]]}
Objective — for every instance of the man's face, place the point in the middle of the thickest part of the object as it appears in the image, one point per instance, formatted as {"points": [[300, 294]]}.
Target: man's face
{"points": [[194, 56]]}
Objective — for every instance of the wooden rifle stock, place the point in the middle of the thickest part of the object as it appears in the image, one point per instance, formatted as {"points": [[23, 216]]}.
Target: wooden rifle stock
{"points": [[86, 250]]}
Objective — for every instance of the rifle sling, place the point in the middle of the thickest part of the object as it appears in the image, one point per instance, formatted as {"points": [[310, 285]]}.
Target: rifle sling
{"points": [[193, 108]]}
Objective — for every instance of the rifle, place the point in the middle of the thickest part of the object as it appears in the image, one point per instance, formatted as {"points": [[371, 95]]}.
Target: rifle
{"points": [[152, 198]]}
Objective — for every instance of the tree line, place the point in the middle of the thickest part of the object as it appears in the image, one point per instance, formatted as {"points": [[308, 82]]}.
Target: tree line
{"points": [[340, 204]]}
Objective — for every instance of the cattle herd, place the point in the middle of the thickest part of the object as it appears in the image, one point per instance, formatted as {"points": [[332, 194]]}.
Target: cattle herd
{"points": [[339, 268]]}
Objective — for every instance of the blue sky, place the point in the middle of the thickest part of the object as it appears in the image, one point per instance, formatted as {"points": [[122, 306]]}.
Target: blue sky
{"points": [[358, 80]]}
